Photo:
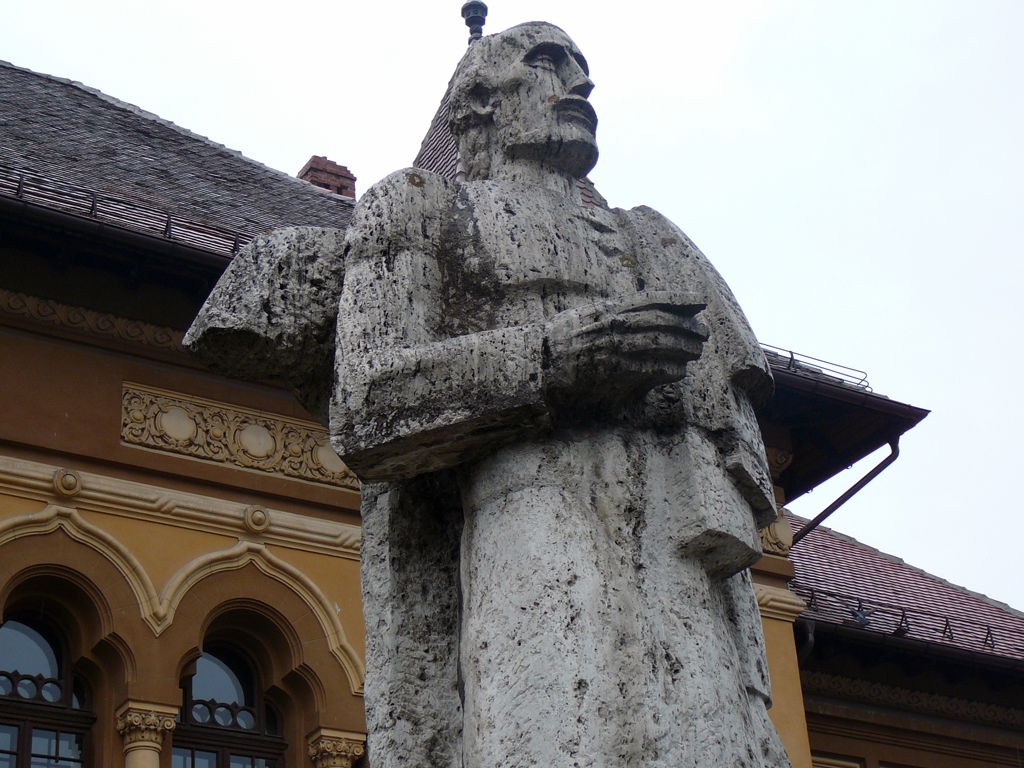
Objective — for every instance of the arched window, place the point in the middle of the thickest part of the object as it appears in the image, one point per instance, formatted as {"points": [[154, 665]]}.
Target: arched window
{"points": [[224, 720], [43, 720]]}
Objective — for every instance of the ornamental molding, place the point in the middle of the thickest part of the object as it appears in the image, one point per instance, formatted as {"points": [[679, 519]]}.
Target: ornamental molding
{"points": [[778, 603], [213, 431], [881, 694], [144, 725], [336, 749], [158, 609], [126, 498], [99, 325]]}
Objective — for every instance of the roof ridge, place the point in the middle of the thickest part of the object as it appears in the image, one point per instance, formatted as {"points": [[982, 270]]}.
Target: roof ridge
{"points": [[900, 561], [153, 117]]}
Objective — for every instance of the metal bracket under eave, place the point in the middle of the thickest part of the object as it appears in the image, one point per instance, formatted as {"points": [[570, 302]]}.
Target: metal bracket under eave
{"points": [[894, 447]]}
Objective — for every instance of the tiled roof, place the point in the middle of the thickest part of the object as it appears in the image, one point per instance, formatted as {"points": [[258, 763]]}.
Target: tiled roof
{"points": [[847, 582], [65, 132], [439, 151]]}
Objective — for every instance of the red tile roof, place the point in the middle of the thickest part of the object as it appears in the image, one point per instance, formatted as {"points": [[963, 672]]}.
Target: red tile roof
{"points": [[847, 582]]}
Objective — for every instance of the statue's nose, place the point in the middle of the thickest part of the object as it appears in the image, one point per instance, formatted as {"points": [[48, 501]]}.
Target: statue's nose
{"points": [[578, 81]]}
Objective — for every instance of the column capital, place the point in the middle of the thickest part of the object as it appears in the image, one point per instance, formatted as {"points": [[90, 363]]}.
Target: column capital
{"points": [[778, 603], [144, 724], [336, 749]]}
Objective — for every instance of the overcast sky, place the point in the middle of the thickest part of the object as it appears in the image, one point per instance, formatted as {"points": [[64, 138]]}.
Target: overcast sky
{"points": [[855, 171]]}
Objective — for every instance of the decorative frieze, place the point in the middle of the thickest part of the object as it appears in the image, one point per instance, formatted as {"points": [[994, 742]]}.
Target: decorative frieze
{"points": [[336, 749], [99, 324], [144, 725], [883, 695], [230, 434]]}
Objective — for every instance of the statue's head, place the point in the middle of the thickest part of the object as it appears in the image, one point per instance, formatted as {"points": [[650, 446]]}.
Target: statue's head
{"points": [[521, 96]]}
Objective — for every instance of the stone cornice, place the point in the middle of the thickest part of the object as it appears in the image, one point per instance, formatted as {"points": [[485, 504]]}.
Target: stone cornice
{"points": [[144, 725], [778, 603], [99, 325], [102, 493], [208, 430], [336, 749]]}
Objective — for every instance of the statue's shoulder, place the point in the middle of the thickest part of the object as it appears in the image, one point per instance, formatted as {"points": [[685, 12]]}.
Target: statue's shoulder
{"points": [[405, 206], [654, 225], [410, 190]]}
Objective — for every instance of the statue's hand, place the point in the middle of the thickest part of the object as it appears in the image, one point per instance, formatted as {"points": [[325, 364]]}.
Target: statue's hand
{"points": [[606, 353]]}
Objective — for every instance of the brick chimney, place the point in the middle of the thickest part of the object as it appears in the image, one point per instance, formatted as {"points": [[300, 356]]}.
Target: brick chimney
{"points": [[329, 175]]}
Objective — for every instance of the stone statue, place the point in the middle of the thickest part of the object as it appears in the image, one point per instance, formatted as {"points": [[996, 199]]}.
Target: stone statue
{"points": [[550, 405]]}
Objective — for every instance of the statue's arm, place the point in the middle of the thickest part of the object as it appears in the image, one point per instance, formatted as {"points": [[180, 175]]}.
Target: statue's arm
{"points": [[411, 398]]}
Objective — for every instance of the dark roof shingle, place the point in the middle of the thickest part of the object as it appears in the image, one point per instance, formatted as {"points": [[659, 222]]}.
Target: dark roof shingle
{"points": [[65, 131]]}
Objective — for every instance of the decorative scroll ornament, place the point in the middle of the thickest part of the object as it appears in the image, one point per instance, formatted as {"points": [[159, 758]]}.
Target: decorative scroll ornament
{"points": [[777, 538], [778, 461], [336, 751], [143, 727], [205, 429]]}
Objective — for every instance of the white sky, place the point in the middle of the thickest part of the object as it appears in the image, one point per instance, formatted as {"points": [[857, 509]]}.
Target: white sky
{"points": [[855, 170]]}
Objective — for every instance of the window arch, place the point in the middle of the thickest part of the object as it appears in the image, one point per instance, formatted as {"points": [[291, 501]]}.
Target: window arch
{"points": [[225, 721], [43, 719]]}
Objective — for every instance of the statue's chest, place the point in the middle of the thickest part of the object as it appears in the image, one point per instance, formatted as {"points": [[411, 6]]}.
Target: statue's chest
{"points": [[517, 246]]}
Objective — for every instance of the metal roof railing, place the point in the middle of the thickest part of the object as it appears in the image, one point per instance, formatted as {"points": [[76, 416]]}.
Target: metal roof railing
{"points": [[813, 366], [912, 622], [67, 197]]}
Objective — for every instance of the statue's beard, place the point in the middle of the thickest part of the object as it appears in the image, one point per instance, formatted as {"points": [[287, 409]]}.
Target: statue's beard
{"points": [[575, 155]]}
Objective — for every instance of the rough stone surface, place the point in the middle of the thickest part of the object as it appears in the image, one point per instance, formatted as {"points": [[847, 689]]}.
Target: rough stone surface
{"points": [[273, 313], [551, 406]]}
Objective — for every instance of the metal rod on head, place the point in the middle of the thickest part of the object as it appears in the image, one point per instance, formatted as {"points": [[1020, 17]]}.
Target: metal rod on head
{"points": [[475, 14]]}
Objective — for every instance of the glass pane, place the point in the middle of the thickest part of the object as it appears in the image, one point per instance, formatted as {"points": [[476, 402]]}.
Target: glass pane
{"points": [[27, 689], [44, 742], [273, 727], [7, 761], [78, 697], [200, 713], [70, 746], [6, 685], [204, 759], [241, 761], [214, 679], [181, 758], [8, 737], [261, 763], [245, 719], [223, 716], [27, 651], [51, 692]]}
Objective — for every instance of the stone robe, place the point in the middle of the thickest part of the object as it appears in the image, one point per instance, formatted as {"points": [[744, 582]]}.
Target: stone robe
{"points": [[544, 587]]}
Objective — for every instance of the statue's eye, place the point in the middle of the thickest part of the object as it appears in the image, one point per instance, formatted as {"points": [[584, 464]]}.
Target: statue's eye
{"points": [[546, 57]]}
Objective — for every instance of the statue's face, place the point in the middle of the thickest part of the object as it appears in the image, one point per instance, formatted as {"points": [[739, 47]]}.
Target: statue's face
{"points": [[543, 114]]}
